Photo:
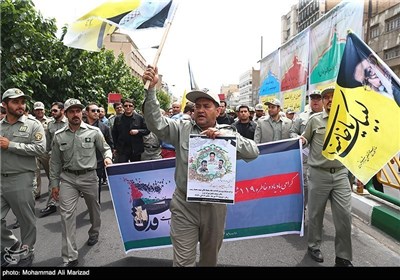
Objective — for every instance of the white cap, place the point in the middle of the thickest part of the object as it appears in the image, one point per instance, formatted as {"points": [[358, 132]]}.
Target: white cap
{"points": [[14, 93], [195, 94], [275, 102], [259, 107], [72, 102], [290, 111], [38, 106]]}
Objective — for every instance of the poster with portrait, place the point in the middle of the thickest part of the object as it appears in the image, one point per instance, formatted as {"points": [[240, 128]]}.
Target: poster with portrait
{"points": [[211, 169]]}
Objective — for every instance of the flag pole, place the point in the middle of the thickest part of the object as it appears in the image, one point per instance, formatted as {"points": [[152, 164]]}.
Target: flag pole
{"points": [[158, 53]]}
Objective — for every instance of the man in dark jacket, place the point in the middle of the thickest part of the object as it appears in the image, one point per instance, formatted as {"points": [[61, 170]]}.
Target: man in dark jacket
{"points": [[93, 119], [223, 117], [244, 125], [128, 131]]}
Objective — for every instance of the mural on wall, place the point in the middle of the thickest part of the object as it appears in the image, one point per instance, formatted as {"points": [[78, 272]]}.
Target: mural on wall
{"points": [[315, 53], [294, 72], [269, 77], [327, 41]]}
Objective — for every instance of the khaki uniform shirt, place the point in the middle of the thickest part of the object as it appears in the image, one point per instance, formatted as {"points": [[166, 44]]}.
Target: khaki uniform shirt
{"points": [[52, 127], [152, 147], [314, 134], [45, 122], [76, 150], [27, 141], [299, 124], [268, 130], [177, 133]]}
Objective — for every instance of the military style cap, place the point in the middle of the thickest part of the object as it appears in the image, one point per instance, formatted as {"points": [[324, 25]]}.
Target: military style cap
{"points": [[72, 102], [259, 107], [251, 109], [290, 111], [38, 106], [316, 92], [14, 93], [327, 90], [275, 102], [195, 94]]}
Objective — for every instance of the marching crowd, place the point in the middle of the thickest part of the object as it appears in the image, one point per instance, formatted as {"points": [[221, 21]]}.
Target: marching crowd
{"points": [[75, 144]]}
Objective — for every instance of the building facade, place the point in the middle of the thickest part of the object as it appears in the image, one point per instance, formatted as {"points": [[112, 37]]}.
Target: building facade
{"points": [[122, 44], [249, 84], [228, 90], [383, 36], [381, 25]]}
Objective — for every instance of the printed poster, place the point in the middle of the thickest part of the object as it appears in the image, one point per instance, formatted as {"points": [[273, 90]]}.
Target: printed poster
{"points": [[212, 169], [141, 193]]}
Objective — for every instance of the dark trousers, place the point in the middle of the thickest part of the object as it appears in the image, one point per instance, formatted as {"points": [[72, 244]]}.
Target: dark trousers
{"points": [[100, 174], [120, 158], [377, 185]]}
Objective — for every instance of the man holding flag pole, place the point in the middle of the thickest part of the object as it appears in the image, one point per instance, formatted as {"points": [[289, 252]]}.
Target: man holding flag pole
{"points": [[365, 112], [361, 111], [328, 181], [193, 222]]}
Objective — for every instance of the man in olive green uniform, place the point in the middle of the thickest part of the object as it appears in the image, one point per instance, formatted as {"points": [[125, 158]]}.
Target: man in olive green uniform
{"points": [[328, 181], [299, 124], [193, 222], [73, 166], [59, 121], [22, 140], [42, 161]]}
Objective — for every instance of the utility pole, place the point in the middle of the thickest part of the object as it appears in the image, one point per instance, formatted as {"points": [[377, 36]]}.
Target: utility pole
{"points": [[369, 15], [261, 48]]}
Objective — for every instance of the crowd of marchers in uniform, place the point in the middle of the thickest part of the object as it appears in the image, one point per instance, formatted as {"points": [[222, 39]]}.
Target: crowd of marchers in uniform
{"points": [[75, 143]]}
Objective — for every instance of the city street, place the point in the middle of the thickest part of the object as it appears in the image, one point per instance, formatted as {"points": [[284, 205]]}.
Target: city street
{"points": [[371, 248]]}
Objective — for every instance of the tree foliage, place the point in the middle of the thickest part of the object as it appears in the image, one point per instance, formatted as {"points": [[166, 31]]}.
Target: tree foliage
{"points": [[164, 99], [36, 61]]}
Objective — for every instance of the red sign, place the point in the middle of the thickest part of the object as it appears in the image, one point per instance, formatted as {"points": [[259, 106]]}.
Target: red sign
{"points": [[114, 97]]}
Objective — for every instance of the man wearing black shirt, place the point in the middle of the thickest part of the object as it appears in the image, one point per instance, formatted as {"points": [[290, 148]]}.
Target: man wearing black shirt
{"points": [[127, 132]]}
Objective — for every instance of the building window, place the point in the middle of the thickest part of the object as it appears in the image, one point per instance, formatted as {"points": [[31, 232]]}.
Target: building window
{"points": [[393, 23], [374, 31], [392, 53]]}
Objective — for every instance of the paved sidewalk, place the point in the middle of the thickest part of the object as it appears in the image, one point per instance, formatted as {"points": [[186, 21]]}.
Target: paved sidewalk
{"points": [[377, 212]]}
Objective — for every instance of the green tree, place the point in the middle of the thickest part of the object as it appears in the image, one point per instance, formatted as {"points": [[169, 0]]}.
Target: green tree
{"points": [[28, 47], [36, 61], [164, 99]]}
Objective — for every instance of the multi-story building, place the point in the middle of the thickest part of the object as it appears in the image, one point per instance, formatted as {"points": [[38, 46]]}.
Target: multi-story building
{"points": [[249, 83], [381, 24], [289, 22], [383, 36], [228, 90], [234, 100], [122, 43]]}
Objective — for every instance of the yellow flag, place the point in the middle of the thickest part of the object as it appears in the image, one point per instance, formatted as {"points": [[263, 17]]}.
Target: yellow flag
{"points": [[89, 30], [184, 101], [364, 122]]}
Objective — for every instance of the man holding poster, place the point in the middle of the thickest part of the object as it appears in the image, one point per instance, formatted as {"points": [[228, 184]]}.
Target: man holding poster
{"points": [[193, 222]]}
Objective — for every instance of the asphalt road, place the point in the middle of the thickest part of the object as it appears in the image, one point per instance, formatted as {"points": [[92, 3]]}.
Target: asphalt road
{"points": [[371, 247]]}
